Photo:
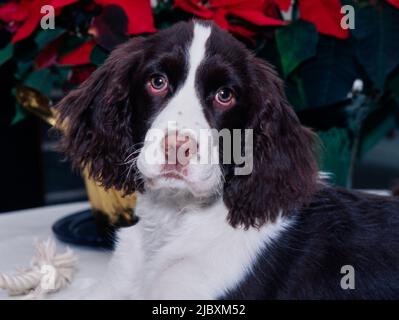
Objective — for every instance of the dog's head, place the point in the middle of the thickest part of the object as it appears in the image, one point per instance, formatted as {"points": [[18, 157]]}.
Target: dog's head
{"points": [[190, 109]]}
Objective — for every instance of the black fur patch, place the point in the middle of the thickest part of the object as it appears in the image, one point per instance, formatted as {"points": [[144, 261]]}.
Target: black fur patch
{"points": [[337, 228]]}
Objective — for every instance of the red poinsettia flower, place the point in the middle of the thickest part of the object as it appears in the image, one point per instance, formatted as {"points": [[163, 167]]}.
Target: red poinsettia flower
{"points": [[24, 16], [138, 12], [80, 74], [48, 56], [79, 56], [395, 3], [223, 12], [12, 11], [284, 5], [139, 20], [325, 15]]}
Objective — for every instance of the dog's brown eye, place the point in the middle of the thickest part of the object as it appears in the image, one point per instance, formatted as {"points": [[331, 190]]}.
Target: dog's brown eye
{"points": [[224, 98], [158, 85]]}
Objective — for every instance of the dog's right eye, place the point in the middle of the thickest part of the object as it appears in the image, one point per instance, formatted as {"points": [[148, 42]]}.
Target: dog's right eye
{"points": [[158, 85], [224, 99]]}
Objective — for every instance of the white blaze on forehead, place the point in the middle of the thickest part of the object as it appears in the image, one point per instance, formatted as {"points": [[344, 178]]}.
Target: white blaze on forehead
{"points": [[197, 51], [184, 110], [184, 113]]}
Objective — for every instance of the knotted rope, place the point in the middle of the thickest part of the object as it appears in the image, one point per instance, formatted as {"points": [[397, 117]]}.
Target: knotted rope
{"points": [[48, 273]]}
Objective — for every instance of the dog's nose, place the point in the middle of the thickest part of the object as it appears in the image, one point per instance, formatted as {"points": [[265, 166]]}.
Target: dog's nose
{"points": [[179, 148]]}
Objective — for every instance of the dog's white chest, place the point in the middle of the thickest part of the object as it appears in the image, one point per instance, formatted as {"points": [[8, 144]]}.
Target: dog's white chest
{"points": [[192, 254]]}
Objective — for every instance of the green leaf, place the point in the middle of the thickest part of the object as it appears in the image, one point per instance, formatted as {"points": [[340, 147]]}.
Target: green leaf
{"points": [[377, 35], [6, 53], [40, 80], [294, 88], [296, 43], [328, 77], [47, 80], [162, 6], [61, 74], [20, 114], [23, 68], [70, 43], [376, 126], [98, 55], [336, 154], [44, 37]]}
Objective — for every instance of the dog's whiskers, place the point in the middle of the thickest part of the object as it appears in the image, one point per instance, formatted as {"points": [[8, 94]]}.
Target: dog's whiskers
{"points": [[132, 154]]}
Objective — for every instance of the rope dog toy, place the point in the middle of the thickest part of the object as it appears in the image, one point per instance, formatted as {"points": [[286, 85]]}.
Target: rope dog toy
{"points": [[48, 273]]}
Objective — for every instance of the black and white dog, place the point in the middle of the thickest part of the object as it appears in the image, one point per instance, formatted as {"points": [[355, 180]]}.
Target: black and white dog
{"points": [[206, 232]]}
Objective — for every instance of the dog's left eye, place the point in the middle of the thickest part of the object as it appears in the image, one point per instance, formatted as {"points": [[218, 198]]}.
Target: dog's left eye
{"points": [[224, 99], [158, 85]]}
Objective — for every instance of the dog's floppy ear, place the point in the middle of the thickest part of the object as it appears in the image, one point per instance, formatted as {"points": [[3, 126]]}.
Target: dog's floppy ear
{"points": [[95, 119], [284, 171]]}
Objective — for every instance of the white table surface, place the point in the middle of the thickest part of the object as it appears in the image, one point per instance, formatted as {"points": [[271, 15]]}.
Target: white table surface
{"points": [[18, 229]]}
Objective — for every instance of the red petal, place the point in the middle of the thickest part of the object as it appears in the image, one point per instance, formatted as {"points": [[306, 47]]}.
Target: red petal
{"points": [[257, 5], [257, 18], [62, 3], [81, 73], [28, 27], [220, 19], [284, 5], [79, 56], [12, 12], [253, 11], [325, 15], [241, 31], [139, 14], [48, 55], [236, 4], [395, 3], [195, 8], [32, 20]]}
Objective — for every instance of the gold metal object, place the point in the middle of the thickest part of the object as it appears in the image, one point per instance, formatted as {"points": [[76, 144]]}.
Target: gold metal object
{"points": [[35, 102], [111, 204]]}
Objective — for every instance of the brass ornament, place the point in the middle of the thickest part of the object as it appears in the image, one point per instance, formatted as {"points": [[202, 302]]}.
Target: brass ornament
{"points": [[112, 204]]}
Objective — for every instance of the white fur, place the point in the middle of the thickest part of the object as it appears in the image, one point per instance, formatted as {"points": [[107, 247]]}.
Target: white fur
{"points": [[183, 113], [182, 249]]}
